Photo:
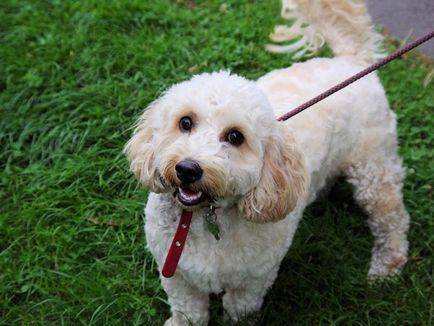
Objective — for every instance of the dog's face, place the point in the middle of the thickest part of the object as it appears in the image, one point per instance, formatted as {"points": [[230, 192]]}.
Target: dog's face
{"points": [[214, 139]]}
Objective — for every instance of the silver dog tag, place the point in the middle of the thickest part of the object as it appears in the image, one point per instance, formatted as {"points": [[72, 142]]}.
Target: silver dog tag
{"points": [[210, 219]]}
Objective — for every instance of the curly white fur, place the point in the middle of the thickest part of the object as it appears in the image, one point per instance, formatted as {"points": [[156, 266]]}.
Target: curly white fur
{"points": [[262, 186]]}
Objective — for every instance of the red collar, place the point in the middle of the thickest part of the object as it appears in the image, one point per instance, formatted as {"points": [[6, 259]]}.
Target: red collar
{"points": [[177, 245]]}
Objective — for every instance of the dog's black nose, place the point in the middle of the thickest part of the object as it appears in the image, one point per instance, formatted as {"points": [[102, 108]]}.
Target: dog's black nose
{"points": [[188, 171]]}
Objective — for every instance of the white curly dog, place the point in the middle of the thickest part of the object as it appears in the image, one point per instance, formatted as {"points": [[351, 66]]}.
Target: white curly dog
{"points": [[214, 140]]}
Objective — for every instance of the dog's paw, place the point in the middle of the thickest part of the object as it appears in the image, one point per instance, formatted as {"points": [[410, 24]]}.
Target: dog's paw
{"points": [[170, 322], [182, 320], [177, 321], [382, 269]]}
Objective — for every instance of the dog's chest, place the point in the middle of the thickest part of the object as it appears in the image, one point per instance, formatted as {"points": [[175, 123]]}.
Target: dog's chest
{"points": [[244, 249], [242, 252]]}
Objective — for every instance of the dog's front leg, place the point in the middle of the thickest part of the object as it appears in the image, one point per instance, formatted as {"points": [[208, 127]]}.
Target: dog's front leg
{"points": [[247, 299], [188, 305]]}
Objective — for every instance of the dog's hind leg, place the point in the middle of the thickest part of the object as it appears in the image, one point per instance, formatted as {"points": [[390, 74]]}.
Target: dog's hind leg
{"points": [[377, 182]]}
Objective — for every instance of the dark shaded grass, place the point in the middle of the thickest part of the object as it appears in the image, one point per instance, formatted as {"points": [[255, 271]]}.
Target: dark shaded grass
{"points": [[74, 75]]}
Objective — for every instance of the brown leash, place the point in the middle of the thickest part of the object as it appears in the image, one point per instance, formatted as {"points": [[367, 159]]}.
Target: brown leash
{"points": [[357, 76]]}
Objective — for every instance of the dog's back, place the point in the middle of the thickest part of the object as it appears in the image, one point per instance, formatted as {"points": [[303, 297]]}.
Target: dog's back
{"points": [[335, 128], [354, 131]]}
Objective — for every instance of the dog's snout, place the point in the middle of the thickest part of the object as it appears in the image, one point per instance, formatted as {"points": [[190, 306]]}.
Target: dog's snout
{"points": [[188, 171]]}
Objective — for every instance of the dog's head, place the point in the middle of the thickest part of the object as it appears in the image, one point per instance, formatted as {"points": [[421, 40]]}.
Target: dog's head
{"points": [[215, 139]]}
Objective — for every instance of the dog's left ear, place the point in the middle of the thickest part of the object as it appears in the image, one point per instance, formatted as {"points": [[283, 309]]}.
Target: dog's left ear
{"points": [[283, 182]]}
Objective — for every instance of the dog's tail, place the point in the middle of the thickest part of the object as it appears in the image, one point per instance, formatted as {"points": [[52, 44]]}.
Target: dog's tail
{"points": [[344, 24]]}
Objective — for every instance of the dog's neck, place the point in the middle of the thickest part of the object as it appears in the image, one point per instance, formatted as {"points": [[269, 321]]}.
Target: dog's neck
{"points": [[225, 214]]}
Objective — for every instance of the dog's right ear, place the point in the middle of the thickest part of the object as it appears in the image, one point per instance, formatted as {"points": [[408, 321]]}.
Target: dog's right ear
{"points": [[140, 151]]}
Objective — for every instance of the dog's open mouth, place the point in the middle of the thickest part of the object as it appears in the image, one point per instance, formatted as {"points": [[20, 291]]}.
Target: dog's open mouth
{"points": [[189, 197]]}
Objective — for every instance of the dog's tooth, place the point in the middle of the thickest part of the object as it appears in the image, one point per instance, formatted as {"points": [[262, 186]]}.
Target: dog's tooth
{"points": [[187, 196]]}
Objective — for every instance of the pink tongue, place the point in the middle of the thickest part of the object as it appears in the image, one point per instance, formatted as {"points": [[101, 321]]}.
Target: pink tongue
{"points": [[188, 192]]}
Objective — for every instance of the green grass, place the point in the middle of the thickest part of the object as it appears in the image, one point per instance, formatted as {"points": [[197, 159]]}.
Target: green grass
{"points": [[74, 76]]}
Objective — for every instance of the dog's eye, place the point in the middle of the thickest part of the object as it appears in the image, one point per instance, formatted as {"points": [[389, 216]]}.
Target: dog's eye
{"points": [[185, 124], [235, 137]]}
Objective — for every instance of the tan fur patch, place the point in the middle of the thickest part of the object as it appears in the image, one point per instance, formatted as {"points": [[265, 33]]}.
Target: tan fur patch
{"points": [[213, 182], [283, 182], [169, 173], [397, 262]]}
